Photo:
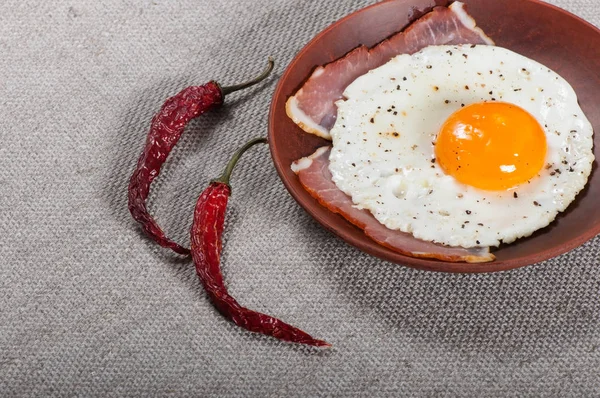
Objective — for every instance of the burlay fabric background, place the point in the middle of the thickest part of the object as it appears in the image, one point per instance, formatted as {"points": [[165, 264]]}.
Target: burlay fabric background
{"points": [[89, 307]]}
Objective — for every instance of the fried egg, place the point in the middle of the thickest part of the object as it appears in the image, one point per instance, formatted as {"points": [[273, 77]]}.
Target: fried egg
{"points": [[462, 145]]}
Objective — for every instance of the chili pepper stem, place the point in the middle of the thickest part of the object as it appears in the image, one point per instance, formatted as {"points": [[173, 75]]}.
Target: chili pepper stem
{"points": [[230, 89], [226, 176]]}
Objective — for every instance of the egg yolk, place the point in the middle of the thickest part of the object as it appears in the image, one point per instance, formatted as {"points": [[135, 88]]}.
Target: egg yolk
{"points": [[491, 145]]}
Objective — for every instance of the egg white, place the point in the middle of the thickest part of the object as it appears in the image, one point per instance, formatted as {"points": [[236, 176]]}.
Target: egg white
{"points": [[383, 145]]}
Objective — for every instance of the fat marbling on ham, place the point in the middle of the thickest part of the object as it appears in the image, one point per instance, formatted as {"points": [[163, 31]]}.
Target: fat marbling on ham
{"points": [[313, 108], [315, 177]]}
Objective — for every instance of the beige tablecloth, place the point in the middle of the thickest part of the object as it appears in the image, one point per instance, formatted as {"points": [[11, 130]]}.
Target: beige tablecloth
{"points": [[89, 307]]}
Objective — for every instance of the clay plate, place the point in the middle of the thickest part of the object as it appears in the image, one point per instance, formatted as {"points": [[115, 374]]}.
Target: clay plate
{"points": [[545, 33]]}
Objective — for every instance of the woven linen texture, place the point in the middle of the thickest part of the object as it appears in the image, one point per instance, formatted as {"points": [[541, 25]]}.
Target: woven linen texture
{"points": [[89, 307]]}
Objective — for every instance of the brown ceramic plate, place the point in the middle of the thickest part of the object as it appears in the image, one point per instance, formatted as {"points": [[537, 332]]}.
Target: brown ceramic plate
{"points": [[545, 33]]}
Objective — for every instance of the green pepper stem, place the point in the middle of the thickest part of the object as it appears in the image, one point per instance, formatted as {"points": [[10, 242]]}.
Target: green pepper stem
{"points": [[226, 176], [258, 79]]}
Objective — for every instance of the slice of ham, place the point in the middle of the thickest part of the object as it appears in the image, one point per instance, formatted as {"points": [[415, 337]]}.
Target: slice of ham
{"points": [[315, 177], [313, 108]]}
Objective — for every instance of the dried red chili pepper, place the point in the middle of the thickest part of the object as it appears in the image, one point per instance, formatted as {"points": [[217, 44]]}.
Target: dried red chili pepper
{"points": [[165, 130], [207, 228]]}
